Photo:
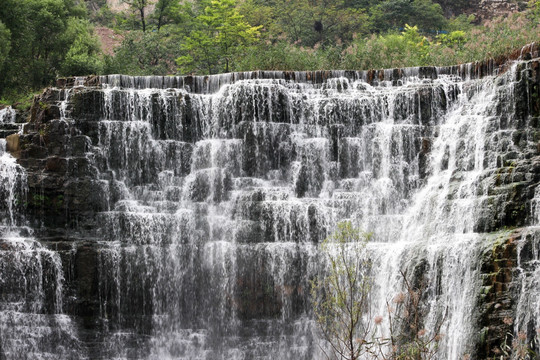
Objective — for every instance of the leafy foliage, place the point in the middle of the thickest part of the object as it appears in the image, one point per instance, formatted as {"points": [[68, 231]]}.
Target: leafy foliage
{"points": [[43, 32], [394, 14], [41, 39], [341, 299], [164, 12], [454, 7], [82, 58], [5, 43], [310, 22], [139, 7], [104, 16], [221, 35], [148, 53]]}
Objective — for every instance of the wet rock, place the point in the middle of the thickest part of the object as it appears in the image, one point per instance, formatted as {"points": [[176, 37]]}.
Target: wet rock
{"points": [[170, 210], [13, 145], [496, 302]]}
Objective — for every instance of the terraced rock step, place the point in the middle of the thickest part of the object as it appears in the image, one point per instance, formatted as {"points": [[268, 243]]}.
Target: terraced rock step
{"points": [[181, 217]]}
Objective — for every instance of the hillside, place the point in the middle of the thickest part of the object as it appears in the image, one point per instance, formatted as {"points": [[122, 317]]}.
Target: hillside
{"points": [[166, 37], [481, 9]]}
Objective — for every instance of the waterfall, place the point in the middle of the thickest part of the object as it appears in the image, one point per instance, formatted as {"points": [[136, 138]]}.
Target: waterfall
{"points": [[12, 186], [7, 115], [32, 323], [209, 198]]}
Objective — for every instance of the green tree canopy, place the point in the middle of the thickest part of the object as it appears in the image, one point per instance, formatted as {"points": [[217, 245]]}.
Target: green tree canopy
{"points": [[163, 12], [148, 53], [454, 7], [310, 22], [5, 43], [221, 34], [139, 6], [82, 58], [43, 32], [394, 14]]}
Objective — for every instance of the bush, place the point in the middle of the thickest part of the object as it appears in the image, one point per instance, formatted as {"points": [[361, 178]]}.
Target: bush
{"points": [[342, 297], [148, 53], [83, 56], [342, 306]]}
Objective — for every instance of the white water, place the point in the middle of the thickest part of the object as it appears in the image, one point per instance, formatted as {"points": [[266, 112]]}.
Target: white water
{"points": [[7, 115], [374, 180], [32, 325], [12, 187], [218, 201]]}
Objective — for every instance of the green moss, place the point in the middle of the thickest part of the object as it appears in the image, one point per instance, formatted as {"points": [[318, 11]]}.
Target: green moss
{"points": [[39, 200], [483, 335], [268, 289], [58, 202], [509, 165], [55, 203]]}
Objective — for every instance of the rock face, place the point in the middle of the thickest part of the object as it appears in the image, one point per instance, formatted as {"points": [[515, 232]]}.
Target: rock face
{"points": [[180, 217], [481, 9], [488, 9]]}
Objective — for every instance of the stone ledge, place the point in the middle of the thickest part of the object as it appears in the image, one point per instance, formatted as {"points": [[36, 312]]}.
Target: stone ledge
{"points": [[212, 83]]}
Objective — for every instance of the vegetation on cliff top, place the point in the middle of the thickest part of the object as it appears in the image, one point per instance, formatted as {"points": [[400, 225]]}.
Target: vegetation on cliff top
{"points": [[43, 39]]}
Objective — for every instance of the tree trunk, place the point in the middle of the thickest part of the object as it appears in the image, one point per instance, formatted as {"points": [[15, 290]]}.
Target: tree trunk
{"points": [[142, 19]]}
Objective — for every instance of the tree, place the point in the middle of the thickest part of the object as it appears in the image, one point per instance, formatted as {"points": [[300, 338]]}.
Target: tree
{"points": [[427, 15], [341, 299], [261, 13], [82, 58], [140, 7], [333, 20], [342, 306], [294, 20], [310, 22], [394, 14], [42, 33], [5, 43], [361, 4], [221, 34], [149, 53], [455, 7], [183, 16], [162, 11]]}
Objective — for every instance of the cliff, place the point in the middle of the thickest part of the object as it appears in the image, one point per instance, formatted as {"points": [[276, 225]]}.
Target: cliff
{"points": [[482, 9], [180, 216]]}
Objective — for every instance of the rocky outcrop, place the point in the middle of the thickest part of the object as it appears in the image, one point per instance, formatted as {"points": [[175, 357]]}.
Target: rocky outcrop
{"points": [[62, 181], [12, 119], [496, 302], [482, 9], [488, 9]]}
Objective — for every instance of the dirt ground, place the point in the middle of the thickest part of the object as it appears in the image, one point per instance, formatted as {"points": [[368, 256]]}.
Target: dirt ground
{"points": [[109, 39]]}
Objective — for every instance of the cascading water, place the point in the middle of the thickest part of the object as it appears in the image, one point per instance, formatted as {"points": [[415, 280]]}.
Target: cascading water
{"points": [[213, 195], [7, 115], [8, 119], [31, 283]]}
